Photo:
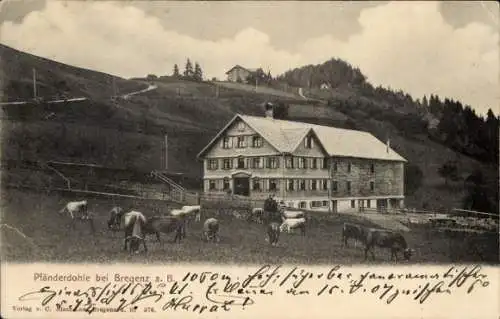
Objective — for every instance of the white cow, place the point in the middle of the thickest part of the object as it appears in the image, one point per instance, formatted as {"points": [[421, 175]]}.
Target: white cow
{"points": [[78, 211], [195, 209], [134, 222], [287, 214], [294, 223]]}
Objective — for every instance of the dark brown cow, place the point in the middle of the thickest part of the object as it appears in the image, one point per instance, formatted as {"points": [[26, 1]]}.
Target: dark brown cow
{"points": [[115, 218], [166, 224], [386, 239], [353, 231], [273, 233]]}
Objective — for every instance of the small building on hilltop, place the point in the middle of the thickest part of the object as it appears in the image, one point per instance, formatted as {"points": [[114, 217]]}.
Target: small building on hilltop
{"points": [[240, 74], [304, 165]]}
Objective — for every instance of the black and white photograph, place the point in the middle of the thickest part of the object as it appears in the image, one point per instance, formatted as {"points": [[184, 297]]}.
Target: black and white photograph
{"points": [[249, 132]]}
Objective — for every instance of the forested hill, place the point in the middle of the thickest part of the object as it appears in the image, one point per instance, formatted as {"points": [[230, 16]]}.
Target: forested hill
{"points": [[334, 72], [442, 119]]}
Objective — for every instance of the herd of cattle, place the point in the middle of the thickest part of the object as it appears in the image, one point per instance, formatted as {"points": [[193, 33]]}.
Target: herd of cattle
{"points": [[136, 227]]}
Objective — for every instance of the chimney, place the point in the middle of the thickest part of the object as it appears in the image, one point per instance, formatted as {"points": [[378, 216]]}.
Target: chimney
{"points": [[388, 144], [269, 110]]}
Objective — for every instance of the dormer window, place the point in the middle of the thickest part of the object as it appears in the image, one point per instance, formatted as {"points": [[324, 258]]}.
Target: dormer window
{"points": [[309, 142]]}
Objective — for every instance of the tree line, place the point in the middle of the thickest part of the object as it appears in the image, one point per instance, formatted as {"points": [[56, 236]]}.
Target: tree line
{"points": [[190, 73], [461, 129]]}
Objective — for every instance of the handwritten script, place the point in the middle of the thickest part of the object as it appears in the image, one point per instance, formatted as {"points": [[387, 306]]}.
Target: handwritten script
{"points": [[223, 292]]}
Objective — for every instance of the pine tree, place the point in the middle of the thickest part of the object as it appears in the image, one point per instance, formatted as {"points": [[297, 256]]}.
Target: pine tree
{"points": [[188, 70], [198, 73], [176, 71]]}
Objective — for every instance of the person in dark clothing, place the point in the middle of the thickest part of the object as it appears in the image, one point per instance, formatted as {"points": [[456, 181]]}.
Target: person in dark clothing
{"points": [[271, 210]]}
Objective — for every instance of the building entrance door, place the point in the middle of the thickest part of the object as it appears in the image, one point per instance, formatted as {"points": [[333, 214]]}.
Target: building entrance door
{"points": [[242, 186]]}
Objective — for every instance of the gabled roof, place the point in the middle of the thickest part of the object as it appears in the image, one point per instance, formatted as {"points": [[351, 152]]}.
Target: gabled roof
{"points": [[239, 66], [285, 136]]}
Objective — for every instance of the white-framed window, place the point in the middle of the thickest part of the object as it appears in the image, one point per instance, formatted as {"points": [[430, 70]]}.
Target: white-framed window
{"points": [[324, 185], [368, 203], [241, 162], [314, 184], [348, 183], [309, 142], [256, 184], [353, 204], [324, 203], [302, 205], [290, 184], [256, 163], [302, 184], [213, 164], [226, 184], [241, 126], [272, 162], [256, 141], [211, 185], [314, 163], [324, 165], [273, 184], [227, 163], [372, 186], [289, 162], [227, 142], [316, 204], [303, 162], [241, 142]]}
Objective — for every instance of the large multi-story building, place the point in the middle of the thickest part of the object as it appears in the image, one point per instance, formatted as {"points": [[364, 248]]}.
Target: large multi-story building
{"points": [[307, 166]]}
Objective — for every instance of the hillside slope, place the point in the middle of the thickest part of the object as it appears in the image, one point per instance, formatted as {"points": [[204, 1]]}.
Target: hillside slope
{"points": [[130, 133]]}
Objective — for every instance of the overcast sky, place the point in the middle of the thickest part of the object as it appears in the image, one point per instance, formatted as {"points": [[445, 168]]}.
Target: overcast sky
{"points": [[448, 48]]}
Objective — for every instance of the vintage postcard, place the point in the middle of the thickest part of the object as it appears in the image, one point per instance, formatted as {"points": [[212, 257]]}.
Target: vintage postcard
{"points": [[246, 159]]}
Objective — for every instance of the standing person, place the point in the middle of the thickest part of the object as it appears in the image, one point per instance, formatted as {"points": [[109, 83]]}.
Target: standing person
{"points": [[269, 206]]}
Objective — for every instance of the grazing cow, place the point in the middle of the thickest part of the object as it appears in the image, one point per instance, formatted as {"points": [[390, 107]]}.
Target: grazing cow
{"points": [[78, 211], [386, 239], [286, 214], [193, 210], [257, 215], [353, 231], [166, 224], [211, 230], [115, 218], [273, 233], [294, 223], [134, 223], [183, 216]]}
